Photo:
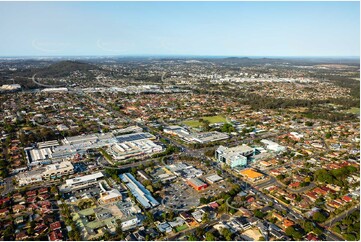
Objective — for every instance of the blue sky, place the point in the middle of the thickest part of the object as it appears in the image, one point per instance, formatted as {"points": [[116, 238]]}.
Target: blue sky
{"points": [[180, 28]]}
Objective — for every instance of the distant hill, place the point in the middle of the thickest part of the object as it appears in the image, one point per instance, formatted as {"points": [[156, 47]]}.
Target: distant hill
{"points": [[64, 69], [245, 61]]}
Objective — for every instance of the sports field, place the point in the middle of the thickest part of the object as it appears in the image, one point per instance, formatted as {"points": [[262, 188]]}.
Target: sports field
{"points": [[212, 119]]}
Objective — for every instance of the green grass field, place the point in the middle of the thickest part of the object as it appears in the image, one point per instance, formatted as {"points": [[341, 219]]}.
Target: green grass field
{"points": [[181, 228], [212, 119], [354, 110]]}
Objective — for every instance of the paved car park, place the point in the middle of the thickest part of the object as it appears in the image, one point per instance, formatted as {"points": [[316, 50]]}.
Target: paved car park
{"points": [[179, 195]]}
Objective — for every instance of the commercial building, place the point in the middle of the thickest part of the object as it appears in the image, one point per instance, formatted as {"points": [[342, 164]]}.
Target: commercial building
{"points": [[55, 89], [273, 146], [128, 149], [110, 196], [208, 137], [213, 179], [188, 136], [123, 146], [54, 171], [185, 171], [235, 156], [30, 177], [81, 182], [197, 184], [143, 196], [10, 87], [252, 175]]}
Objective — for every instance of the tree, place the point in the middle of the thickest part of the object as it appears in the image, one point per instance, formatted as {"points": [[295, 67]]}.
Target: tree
{"points": [[150, 217], [203, 200], [53, 189], [292, 232], [259, 214], [319, 217], [210, 236], [227, 234], [119, 231], [107, 235], [192, 238], [205, 218]]}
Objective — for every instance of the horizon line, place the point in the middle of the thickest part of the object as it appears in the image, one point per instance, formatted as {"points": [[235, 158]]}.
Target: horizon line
{"points": [[182, 55]]}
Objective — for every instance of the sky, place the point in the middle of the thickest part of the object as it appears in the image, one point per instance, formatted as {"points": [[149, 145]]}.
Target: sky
{"points": [[180, 28]]}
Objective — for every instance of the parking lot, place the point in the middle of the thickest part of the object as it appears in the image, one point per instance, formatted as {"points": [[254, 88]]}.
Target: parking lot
{"points": [[179, 195], [93, 191]]}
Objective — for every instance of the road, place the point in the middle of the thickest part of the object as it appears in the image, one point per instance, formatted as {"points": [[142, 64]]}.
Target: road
{"points": [[8, 187], [341, 216]]}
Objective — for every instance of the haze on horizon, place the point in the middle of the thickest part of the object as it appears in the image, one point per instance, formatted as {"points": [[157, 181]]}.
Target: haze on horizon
{"points": [[180, 28]]}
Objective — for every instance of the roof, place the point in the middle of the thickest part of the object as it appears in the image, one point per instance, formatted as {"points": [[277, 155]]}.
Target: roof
{"points": [[139, 191], [196, 182], [214, 178], [86, 178], [55, 225], [114, 193], [251, 173]]}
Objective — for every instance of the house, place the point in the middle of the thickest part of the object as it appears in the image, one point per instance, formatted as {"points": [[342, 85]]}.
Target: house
{"points": [[164, 227], [4, 201], [19, 220], [4, 212], [178, 221], [40, 228], [294, 185], [311, 237], [198, 215], [319, 191], [347, 198], [213, 205], [56, 225], [31, 193], [43, 190], [17, 196], [44, 196], [32, 207], [277, 216], [21, 236], [185, 215], [287, 223], [56, 235], [311, 195], [18, 207], [31, 200]]}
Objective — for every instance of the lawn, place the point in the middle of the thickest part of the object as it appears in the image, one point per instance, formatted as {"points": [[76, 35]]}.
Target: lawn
{"points": [[354, 110], [212, 119], [181, 228]]}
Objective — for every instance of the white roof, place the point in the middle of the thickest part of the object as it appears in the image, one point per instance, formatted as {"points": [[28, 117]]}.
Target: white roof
{"points": [[214, 178], [86, 178]]}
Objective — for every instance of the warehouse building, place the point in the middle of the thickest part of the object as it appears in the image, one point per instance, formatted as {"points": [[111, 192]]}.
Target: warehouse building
{"points": [[142, 195], [196, 184]]}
